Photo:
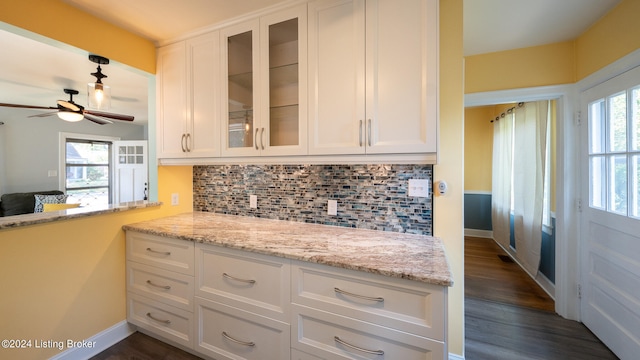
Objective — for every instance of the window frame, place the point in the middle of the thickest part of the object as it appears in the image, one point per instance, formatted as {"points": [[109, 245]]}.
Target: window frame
{"points": [[64, 137]]}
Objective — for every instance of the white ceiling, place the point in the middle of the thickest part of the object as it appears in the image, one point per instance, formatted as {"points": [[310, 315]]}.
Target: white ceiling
{"points": [[497, 25], [34, 73]]}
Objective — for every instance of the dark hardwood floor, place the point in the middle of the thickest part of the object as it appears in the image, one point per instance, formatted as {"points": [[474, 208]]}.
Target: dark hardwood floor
{"points": [[139, 346], [508, 316]]}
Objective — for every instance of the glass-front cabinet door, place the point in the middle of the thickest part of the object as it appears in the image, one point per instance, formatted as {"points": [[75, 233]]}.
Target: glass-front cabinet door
{"points": [[240, 65], [265, 95]]}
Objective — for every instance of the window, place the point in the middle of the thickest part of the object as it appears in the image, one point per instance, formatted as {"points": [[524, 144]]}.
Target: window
{"points": [[88, 171], [614, 153]]}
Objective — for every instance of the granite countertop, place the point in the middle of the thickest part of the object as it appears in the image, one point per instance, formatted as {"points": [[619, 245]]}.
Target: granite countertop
{"points": [[414, 257], [15, 221]]}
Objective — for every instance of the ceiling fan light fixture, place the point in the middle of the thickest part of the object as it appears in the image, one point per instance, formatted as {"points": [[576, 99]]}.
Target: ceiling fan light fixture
{"points": [[99, 95], [70, 116]]}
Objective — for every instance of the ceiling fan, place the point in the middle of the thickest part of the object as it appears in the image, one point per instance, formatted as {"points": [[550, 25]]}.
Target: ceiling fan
{"points": [[70, 111]]}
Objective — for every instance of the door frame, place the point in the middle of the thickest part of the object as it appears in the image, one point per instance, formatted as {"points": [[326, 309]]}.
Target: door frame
{"points": [[567, 271]]}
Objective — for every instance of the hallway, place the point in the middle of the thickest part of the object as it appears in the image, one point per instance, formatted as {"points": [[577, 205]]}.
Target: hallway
{"points": [[508, 316]]}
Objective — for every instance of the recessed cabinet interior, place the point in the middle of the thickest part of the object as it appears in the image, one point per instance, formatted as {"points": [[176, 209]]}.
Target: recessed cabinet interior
{"points": [[264, 91], [373, 76], [188, 98]]}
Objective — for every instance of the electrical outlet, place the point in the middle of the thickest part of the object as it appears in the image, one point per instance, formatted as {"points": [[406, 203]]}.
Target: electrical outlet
{"points": [[419, 187], [175, 199], [253, 201], [52, 173], [332, 207]]}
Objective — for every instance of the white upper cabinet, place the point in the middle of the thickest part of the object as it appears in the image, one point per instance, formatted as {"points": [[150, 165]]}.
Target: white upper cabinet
{"points": [[264, 85], [373, 77], [188, 97]]}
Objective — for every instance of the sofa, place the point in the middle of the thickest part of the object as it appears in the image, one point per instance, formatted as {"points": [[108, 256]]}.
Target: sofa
{"points": [[22, 203]]}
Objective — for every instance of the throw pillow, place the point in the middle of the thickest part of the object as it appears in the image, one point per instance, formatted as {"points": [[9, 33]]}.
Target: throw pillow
{"points": [[48, 199]]}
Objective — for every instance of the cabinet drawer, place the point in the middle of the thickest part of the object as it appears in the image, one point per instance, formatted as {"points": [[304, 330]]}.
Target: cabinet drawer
{"points": [[410, 306], [161, 285], [253, 282], [299, 355], [334, 337], [169, 254], [229, 333], [163, 320]]}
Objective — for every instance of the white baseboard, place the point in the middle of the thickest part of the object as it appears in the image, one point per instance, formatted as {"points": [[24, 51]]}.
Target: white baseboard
{"points": [[479, 233], [455, 357], [100, 342]]}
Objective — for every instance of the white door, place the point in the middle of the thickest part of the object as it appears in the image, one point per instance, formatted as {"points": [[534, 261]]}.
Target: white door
{"points": [[610, 231], [131, 179]]}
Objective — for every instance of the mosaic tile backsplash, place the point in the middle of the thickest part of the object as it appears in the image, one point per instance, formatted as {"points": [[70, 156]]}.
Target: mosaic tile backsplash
{"points": [[369, 196]]}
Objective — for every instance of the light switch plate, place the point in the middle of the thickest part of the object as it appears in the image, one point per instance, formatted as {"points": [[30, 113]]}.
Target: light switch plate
{"points": [[419, 187], [175, 199], [253, 201], [332, 207]]}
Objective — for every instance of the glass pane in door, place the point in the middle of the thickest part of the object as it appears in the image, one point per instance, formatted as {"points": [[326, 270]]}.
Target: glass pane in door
{"points": [[283, 83], [635, 186], [240, 89], [596, 127], [618, 122], [597, 193], [618, 184], [635, 119]]}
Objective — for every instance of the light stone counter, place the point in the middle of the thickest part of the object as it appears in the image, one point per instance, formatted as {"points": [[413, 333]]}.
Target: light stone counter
{"points": [[16, 221], [407, 256]]}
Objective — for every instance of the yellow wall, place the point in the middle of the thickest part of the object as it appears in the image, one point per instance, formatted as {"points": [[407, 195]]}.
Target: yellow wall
{"points": [[521, 68], [66, 279], [611, 38], [478, 148], [57, 20], [447, 213]]}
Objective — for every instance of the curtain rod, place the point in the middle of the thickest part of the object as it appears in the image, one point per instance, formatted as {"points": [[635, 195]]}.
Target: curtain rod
{"points": [[509, 111]]}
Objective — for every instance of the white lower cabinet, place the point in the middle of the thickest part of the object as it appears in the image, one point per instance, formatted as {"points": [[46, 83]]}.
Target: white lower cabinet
{"points": [[225, 303], [166, 321], [225, 332], [331, 336]]}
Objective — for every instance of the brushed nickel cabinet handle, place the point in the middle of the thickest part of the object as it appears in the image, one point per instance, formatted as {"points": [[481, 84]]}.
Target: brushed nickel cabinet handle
{"points": [[188, 142], [165, 287], [238, 279], [360, 133], [182, 142], [255, 139], [369, 135], [158, 320], [342, 342], [167, 253], [376, 299], [262, 138], [245, 343]]}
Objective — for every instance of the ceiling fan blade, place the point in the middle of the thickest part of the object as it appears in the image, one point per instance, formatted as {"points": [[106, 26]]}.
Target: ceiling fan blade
{"points": [[44, 114], [109, 115], [28, 106], [97, 119]]}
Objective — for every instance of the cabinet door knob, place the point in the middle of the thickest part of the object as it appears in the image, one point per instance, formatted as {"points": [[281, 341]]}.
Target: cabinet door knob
{"points": [[255, 139], [245, 343], [238, 279], [187, 142], [342, 342], [167, 253], [164, 287], [158, 320], [370, 298], [182, 142]]}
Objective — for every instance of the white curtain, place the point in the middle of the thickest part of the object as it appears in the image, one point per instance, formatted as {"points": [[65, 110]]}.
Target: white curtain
{"points": [[530, 136], [519, 153], [501, 179]]}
